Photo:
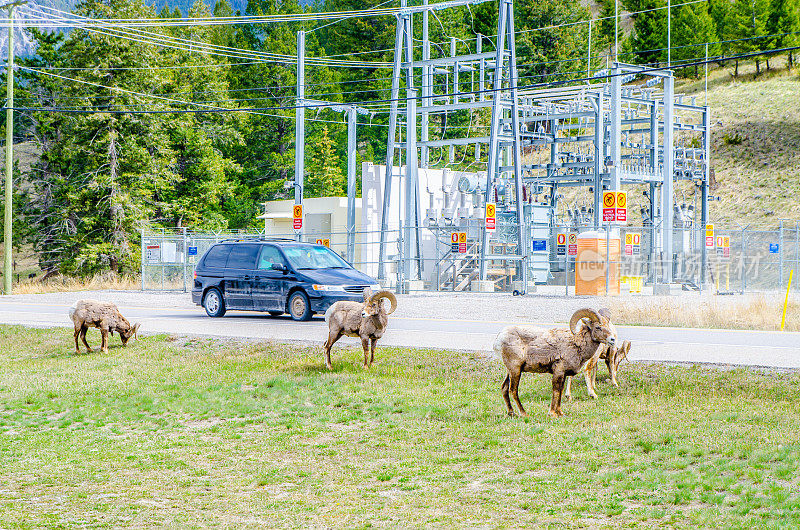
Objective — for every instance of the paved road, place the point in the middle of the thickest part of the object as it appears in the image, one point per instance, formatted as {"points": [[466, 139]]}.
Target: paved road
{"points": [[747, 348]]}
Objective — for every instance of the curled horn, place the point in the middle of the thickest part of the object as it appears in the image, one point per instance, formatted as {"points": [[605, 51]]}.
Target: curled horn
{"points": [[389, 296], [591, 314]]}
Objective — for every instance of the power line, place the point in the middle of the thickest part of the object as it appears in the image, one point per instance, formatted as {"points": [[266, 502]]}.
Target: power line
{"points": [[550, 84]]}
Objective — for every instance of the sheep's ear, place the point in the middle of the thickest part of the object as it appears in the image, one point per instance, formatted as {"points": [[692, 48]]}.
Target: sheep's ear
{"points": [[367, 294]]}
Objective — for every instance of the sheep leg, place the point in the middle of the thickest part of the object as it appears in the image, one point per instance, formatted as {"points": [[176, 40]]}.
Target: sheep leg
{"points": [[504, 392], [612, 370], [77, 333], [333, 336], [365, 345], [514, 388], [84, 329], [589, 374], [372, 344], [104, 340], [558, 391], [568, 388]]}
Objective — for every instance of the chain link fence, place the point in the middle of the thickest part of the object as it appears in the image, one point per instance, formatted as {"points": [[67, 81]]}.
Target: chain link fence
{"points": [[731, 260]]}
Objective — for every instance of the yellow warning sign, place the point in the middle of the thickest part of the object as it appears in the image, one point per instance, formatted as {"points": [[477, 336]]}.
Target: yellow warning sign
{"points": [[609, 199], [629, 239], [622, 199], [573, 239]]}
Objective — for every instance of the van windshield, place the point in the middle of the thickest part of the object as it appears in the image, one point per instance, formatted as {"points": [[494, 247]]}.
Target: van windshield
{"points": [[309, 258]]}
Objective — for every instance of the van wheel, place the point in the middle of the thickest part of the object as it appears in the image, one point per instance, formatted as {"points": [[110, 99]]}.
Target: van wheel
{"points": [[214, 303], [299, 306]]}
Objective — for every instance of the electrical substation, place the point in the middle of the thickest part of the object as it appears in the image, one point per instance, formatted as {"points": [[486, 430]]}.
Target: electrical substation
{"points": [[552, 150]]}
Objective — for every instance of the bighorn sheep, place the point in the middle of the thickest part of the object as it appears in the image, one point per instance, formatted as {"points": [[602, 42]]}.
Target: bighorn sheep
{"points": [[102, 315], [608, 353], [354, 319], [613, 356], [561, 352]]}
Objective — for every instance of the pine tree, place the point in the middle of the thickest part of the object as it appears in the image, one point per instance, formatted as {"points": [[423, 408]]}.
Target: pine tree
{"points": [[784, 23], [325, 178], [749, 22], [692, 27], [649, 39]]}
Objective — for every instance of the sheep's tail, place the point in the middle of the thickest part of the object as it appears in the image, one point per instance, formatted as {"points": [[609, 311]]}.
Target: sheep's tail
{"points": [[497, 348], [328, 313], [72, 309]]}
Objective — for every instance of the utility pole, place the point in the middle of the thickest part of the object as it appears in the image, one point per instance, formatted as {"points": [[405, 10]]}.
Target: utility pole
{"points": [[300, 126], [7, 225]]}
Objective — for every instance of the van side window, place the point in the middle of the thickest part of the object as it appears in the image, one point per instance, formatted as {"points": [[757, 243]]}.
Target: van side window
{"points": [[243, 257], [269, 255], [217, 256]]}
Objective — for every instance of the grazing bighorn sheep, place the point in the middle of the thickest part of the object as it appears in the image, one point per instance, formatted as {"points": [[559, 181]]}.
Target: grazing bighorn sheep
{"points": [[613, 356], [589, 369], [102, 315], [561, 352], [354, 319]]}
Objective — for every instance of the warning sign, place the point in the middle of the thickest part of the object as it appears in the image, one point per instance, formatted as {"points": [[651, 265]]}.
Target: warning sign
{"points": [[622, 207], [573, 245], [458, 242], [491, 216], [324, 241], [561, 244], [637, 240], [609, 206], [709, 236], [720, 244], [297, 217], [726, 247], [629, 244], [153, 253]]}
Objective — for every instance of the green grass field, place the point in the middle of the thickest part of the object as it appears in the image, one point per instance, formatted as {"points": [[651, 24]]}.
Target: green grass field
{"points": [[195, 432]]}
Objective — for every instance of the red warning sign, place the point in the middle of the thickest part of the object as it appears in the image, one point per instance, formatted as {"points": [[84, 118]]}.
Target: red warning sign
{"points": [[297, 217], [573, 245]]}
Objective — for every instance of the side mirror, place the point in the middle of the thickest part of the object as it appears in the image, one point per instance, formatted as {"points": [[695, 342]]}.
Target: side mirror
{"points": [[279, 267]]}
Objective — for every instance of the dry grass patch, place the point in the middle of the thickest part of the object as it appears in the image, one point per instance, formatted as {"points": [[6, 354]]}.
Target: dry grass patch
{"points": [[759, 311], [97, 282]]}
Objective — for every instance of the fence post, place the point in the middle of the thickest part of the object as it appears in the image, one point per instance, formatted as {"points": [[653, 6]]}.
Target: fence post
{"points": [[780, 251], [744, 260], [142, 256], [185, 250], [608, 254]]}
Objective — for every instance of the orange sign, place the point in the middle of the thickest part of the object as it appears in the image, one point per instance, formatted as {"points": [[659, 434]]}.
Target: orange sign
{"points": [[297, 217], [709, 236], [491, 216], [622, 206], [573, 245], [609, 206]]}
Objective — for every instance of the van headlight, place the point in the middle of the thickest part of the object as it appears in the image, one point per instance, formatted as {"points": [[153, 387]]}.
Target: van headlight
{"points": [[375, 288], [328, 288]]}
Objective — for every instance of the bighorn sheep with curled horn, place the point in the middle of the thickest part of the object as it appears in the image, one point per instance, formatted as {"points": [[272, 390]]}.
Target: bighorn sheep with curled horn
{"points": [[102, 315], [561, 352], [366, 320], [612, 355]]}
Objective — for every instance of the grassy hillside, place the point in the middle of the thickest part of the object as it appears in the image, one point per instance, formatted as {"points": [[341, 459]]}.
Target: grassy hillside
{"points": [[757, 179]]}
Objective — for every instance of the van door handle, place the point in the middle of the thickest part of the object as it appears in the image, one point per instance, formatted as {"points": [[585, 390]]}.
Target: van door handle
{"points": [[246, 276], [256, 278]]}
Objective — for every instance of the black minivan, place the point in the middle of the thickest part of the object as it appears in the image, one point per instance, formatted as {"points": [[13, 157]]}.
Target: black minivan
{"points": [[275, 275]]}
